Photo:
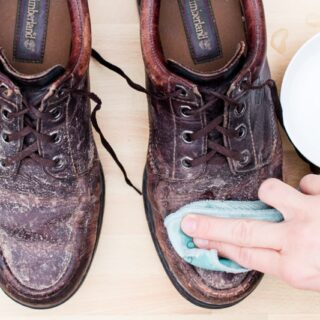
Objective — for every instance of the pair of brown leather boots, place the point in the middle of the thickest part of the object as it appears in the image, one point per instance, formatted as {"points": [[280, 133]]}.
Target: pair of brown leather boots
{"points": [[213, 128]]}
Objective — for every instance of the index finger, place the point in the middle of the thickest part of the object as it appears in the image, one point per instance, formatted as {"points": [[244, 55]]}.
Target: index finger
{"points": [[245, 233]]}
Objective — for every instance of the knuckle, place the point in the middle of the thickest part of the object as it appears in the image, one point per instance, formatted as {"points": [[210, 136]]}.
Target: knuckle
{"points": [[300, 232], [245, 257], [292, 276], [301, 205], [242, 232], [216, 246], [268, 186], [296, 281], [204, 228]]}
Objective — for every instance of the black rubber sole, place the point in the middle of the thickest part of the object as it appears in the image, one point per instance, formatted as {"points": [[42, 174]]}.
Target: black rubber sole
{"points": [[180, 289], [76, 289]]}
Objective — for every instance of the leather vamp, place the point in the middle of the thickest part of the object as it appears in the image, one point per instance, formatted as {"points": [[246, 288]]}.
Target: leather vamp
{"points": [[45, 238]]}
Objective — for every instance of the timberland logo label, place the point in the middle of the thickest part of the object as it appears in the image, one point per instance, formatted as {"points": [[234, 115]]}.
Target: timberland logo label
{"points": [[201, 30], [31, 30]]}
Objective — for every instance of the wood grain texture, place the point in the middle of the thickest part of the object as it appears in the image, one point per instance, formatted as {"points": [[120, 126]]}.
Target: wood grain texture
{"points": [[126, 280]]}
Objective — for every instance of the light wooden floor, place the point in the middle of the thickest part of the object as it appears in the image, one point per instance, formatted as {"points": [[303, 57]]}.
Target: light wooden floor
{"points": [[126, 280]]}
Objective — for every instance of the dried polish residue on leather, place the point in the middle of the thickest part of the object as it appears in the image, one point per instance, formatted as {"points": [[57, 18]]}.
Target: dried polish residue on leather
{"points": [[51, 195], [215, 137]]}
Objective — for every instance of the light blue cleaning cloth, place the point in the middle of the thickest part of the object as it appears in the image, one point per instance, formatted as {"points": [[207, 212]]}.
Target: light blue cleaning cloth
{"points": [[209, 259]]}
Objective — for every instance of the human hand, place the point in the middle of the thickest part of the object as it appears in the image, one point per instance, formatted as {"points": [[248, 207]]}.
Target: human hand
{"points": [[289, 250]]}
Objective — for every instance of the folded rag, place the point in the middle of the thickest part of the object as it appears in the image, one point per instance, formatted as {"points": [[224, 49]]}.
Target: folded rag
{"points": [[209, 259]]}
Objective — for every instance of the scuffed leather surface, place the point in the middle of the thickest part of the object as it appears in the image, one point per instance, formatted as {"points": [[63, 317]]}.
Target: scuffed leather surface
{"points": [[169, 185], [166, 150], [260, 122], [42, 234], [50, 219], [9, 149]]}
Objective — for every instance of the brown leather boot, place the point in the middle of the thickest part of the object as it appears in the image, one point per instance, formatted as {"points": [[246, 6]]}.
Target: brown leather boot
{"points": [[51, 182], [213, 127]]}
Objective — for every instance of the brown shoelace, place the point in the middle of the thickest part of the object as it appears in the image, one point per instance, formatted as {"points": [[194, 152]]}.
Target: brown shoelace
{"points": [[31, 115], [215, 125], [30, 150]]}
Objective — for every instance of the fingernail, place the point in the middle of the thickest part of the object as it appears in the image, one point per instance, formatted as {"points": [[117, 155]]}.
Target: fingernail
{"points": [[189, 224], [201, 243]]}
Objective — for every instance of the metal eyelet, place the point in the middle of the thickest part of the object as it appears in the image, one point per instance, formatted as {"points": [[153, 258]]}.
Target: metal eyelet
{"points": [[56, 137], [3, 164], [5, 111], [240, 110], [56, 113], [60, 163], [5, 137], [242, 131], [182, 91], [186, 162], [186, 136], [60, 93], [5, 91], [185, 111], [241, 87], [245, 158]]}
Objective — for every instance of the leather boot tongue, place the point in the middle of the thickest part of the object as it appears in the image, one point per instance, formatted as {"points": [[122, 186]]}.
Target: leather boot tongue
{"points": [[229, 70], [31, 86]]}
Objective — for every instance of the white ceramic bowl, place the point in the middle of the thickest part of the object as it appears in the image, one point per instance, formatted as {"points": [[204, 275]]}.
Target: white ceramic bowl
{"points": [[300, 98]]}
